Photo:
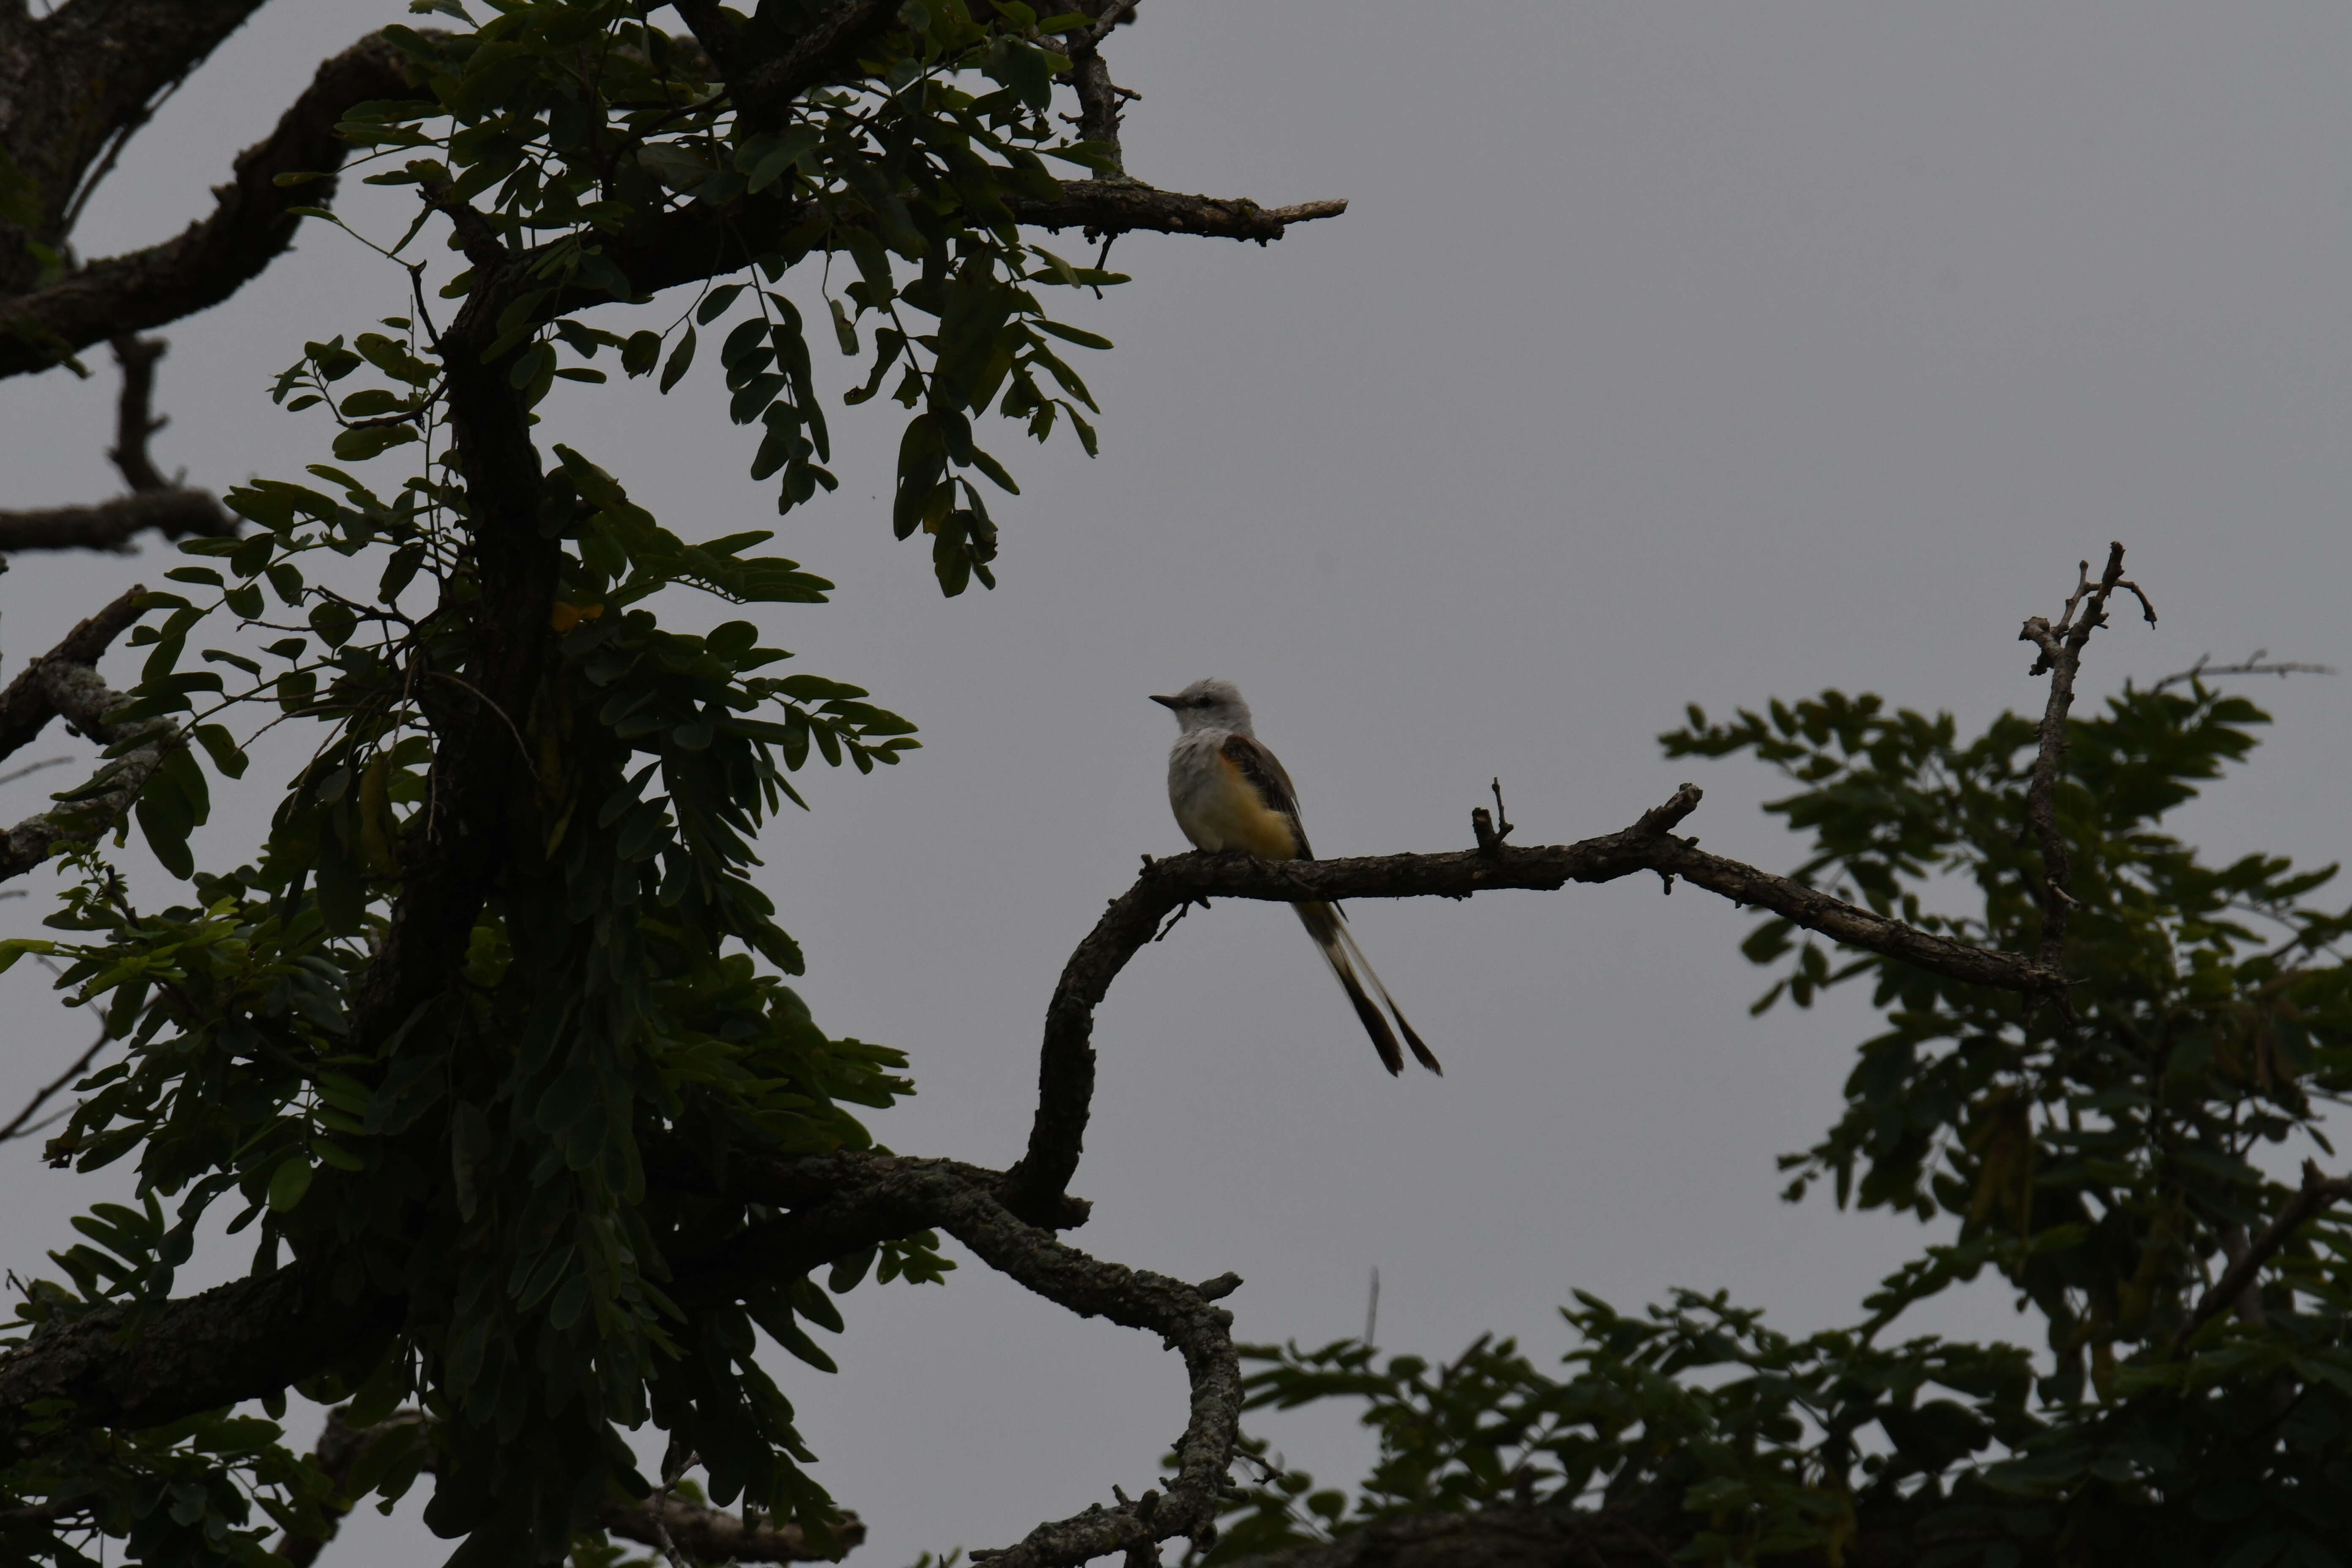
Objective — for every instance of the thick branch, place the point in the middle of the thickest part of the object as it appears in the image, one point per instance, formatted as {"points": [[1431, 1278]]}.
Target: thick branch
{"points": [[240, 1340], [704, 1534], [64, 685], [1188, 1321], [700, 241], [26, 705], [2317, 1194], [713, 1535], [77, 83], [1066, 1070], [212, 257], [1117, 207], [112, 525], [840, 1203]]}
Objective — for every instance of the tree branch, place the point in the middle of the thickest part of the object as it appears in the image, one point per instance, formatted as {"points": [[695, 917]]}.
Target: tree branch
{"points": [[16, 1126], [112, 525], [706, 1534], [2255, 663], [154, 503], [83, 701], [840, 1203], [1188, 1321], [139, 1367], [26, 705], [77, 83], [1117, 207], [212, 257], [1066, 1069], [2061, 658], [2316, 1196], [62, 684], [822, 53]]}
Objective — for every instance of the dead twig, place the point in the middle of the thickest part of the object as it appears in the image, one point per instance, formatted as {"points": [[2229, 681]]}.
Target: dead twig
{"points": [[2253, 663], [2060, 655]]}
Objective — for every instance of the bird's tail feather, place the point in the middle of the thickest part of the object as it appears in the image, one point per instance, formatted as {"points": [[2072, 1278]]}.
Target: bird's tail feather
{"points": [[1421, 1053], [1324, 923]]}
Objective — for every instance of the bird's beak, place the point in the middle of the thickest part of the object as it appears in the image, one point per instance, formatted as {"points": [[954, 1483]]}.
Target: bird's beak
{"points": [[1167, 701]]}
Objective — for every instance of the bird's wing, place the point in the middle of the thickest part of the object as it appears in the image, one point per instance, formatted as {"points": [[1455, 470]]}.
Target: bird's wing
{"points": [[1255, 763]]}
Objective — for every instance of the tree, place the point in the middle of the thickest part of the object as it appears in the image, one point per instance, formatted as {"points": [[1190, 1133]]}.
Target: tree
{"points": [[489, 1043], [2114, 1154]]}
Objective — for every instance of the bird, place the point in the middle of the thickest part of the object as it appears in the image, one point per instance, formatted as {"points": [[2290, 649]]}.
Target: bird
{"points": [[1229, 792]]}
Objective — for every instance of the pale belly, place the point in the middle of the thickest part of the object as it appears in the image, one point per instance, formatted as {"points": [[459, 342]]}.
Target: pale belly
{"points": [[1218, 809]]}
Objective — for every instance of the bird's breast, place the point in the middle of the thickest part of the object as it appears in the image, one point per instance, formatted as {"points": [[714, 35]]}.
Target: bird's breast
{"points": [[1219, 808]]}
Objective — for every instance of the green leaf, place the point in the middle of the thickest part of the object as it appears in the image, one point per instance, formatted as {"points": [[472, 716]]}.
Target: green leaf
{"points": [[288, 1183], [222, 747], [641, 354], [357, 446], [680, 358], [714, 304]]}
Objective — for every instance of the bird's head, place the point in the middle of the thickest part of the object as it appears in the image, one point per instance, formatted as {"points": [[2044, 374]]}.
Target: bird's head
{"points": [[1208, 705]]}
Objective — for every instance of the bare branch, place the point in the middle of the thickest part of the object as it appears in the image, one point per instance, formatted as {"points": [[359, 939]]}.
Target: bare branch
{"points": [[1066, 1065], [134, 411], [2314, 1198], [210, 259], [1117, 207], [1188, 1321], [16, 1127], [2253, 663], [2061, 657], [156, 502], [112, 525]]}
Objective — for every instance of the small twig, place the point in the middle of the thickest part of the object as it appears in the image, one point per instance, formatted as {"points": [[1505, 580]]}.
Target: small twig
{"points": [[30, 768], [2251, 665], [1178, 915], [1490, 831], [2318, 1194], [674, 1464], [1113, 15], [16, 1127]]}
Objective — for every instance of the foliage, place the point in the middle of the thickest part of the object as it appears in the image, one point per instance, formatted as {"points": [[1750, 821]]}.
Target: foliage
{"points": [[2105, 1160], [620, 1003]]}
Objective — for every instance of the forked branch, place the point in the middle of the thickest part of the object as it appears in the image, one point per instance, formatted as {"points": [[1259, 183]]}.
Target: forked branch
{"points": [[2061, 658], [168, 507]]}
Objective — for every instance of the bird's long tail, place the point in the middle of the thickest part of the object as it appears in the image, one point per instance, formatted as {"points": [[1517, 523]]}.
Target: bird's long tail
{"points": [[1330, 929]]}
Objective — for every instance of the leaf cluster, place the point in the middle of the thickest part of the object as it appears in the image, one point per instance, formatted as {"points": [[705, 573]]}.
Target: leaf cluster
{"points": [[2103, 1162]]}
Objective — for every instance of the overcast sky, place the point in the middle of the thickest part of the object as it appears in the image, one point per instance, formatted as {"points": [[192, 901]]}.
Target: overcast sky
{"points": [[1667, 352]]}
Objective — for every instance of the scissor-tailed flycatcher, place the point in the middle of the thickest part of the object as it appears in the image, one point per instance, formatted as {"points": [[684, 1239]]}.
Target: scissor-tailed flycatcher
{"points": [[1229, 793]]}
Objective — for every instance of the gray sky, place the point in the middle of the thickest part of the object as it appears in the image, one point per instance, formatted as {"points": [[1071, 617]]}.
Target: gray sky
{"points": [[1667, 352]]}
